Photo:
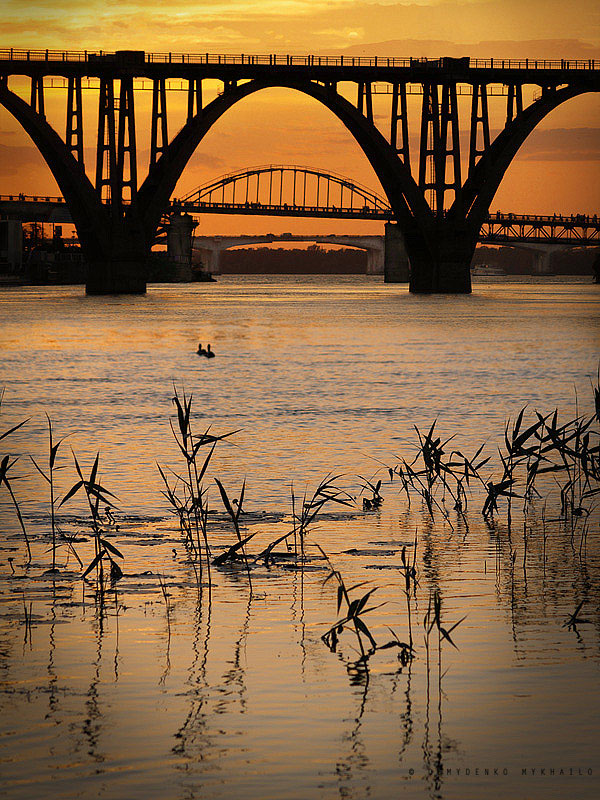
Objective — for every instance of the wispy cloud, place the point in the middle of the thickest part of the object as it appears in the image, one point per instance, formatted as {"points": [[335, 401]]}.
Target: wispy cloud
{"points": [[563, 144]]}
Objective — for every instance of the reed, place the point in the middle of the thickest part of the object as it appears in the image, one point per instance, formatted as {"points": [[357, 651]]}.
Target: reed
{"points": [[435, 472], [48, 476], [355, 610], [5, 466], [234, 515], [326, 492], [409, 572], [187, 497], [95, 494], [374, 502]]}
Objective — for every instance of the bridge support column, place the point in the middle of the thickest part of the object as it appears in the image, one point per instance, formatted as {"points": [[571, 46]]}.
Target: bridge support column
{"points": [[440, 261], [542, 256], [121, 266], [542, 262], [375, 262], [208, 258], [179, 244], [395, 259], [121, 275]]}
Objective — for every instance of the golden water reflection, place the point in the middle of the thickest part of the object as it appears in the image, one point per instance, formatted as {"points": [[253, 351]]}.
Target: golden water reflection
{"points": [[234, 693]]}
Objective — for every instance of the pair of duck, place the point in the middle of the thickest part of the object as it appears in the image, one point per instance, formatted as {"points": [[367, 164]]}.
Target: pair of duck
{"points": [[208, 353]]}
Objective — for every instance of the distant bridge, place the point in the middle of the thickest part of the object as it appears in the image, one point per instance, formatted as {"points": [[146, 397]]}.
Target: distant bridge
{"points": [[211, 247], [293, 191], [283, 190]]}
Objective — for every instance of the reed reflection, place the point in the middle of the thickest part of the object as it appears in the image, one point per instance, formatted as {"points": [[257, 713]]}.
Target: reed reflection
{"points": [[351, 771], [93, 723], [194, 742]]}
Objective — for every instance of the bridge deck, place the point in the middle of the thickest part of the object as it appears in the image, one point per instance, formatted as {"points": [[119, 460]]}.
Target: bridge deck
{"points": [[499, 227], [543, 72]]}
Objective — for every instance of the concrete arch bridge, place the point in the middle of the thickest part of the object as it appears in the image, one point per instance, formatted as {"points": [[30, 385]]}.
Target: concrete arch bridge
{"points": [[209, 248], [440, 195]]}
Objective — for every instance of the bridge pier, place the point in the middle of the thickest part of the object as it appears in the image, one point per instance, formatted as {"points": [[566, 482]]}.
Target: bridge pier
{"points": [[209, 258], [179, 244], [396, 265], [375, 262], [121, 269], [116, 277], [440, 261], [542, 256]]}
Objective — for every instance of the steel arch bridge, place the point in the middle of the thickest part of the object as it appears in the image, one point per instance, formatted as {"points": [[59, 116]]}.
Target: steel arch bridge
{"points": [[286, 190]]}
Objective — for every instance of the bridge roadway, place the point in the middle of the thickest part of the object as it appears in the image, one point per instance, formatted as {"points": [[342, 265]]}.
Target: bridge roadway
{"points": [[211, 247], [574, 230], [86, 63]]}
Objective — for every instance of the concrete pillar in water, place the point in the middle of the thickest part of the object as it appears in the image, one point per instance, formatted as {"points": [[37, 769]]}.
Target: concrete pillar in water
{"points": [[179, 244], [207, 260], [542, 262], [542, 256], [396, 266], [11, 244], [375, 262]]}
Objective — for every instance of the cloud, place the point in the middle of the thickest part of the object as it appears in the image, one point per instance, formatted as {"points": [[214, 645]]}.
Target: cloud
{"points": [[15, 158], [492, 48], [293, 25], [562, 144], [342, 36]]}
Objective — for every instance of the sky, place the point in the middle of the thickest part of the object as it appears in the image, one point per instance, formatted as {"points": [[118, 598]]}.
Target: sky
{"points": [[557, 170]]}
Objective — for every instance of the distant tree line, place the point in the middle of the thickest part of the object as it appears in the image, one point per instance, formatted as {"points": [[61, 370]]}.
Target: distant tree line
{"points": [[348, 261], [314, 259], [522, 262]]}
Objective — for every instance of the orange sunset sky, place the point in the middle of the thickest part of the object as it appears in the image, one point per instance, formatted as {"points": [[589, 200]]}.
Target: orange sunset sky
{"points": [[557, 170]]}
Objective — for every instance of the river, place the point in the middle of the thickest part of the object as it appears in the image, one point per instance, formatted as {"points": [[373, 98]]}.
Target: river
{"points": [[188, 694]]}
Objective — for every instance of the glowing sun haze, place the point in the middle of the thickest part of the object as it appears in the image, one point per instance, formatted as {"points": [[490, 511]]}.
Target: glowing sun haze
{"points": [[558, 168]]}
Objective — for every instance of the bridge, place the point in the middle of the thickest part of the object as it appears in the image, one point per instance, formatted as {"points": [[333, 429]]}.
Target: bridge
{"points": [[211, 247], [282, 190], [438, 203], [294, 191], [260, 191]]}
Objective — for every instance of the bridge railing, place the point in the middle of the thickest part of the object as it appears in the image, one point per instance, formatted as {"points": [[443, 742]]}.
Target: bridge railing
{"points": [[499, 218], [276, 59], [287, 209], [30, 198]]}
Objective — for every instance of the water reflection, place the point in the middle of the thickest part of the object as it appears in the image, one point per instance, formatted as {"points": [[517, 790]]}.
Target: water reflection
{"points": [[94, 721], [195, 744], [352, 776], [232, 689], [52, 675], [202, 720]]}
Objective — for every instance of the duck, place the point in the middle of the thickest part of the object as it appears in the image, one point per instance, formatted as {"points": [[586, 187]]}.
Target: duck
{"points": [[208, 353]]}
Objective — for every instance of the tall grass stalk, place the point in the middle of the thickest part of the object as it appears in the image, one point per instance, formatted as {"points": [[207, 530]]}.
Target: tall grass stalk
{"points": [[49, 478]]}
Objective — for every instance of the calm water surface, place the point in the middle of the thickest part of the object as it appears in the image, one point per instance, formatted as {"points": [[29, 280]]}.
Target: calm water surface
{"points": [[239, 696]]}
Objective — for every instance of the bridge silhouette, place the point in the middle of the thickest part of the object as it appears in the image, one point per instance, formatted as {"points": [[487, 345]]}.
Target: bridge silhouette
{"points": [[294, 191], [438, 206]]}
